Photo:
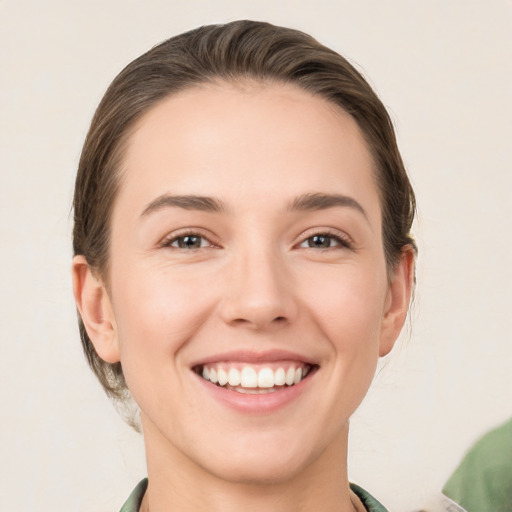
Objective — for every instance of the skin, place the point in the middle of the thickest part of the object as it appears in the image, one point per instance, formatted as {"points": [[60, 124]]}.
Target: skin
{"points": [[254, 284]]}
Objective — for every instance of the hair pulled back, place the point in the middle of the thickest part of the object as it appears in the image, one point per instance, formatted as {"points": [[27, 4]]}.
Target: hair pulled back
{"points": [[231, 52]]}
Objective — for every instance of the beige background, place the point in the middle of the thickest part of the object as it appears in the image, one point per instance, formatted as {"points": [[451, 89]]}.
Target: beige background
{"points": [[444, 70]]}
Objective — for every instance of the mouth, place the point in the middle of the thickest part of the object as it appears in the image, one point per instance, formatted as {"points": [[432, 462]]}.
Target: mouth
{"points": [[257, 379]]}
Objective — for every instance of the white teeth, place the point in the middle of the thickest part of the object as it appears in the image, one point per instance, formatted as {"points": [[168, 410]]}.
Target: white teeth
{"points": [[253, 380], [290, 376], [255, 391], [280, 377], [266, 378], [222, 376], [249, 378], [234, 377]]}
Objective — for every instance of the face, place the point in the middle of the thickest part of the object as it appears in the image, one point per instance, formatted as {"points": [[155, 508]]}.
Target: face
{"points": [[249, 298]]}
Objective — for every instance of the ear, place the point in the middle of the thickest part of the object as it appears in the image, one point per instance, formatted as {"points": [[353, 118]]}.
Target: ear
{"points": [[95, 308], [397, 300]]}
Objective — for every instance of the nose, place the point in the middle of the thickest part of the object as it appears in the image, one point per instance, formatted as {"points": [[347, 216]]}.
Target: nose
{"points": [[259, 293]]}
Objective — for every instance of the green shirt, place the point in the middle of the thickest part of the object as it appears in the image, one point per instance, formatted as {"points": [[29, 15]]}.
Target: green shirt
{"points": [[134, 501], [483, 481]]}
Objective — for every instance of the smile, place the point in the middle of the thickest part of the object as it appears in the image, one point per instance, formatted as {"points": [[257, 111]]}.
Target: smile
{"points": [[255, 379]]}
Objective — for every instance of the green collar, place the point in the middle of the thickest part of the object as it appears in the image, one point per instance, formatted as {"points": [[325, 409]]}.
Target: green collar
{"points": [[135, 499], [369, 502]]}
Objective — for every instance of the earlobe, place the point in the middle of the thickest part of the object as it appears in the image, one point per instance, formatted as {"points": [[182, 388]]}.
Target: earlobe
{"points": [[398, 299], [95, 308]]}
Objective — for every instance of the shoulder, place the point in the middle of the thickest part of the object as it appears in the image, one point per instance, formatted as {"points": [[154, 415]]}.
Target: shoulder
{"points": [[482, 480], [493, 450]]}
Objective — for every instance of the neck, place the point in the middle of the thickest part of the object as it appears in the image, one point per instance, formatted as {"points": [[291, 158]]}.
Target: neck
{"points": [[177, 483]]}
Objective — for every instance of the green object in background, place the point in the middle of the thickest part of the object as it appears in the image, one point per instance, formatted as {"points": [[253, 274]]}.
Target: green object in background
{"points": [[483, 481]]}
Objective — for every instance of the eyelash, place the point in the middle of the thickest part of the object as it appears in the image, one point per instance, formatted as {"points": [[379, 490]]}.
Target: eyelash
{"points": [[175, 238], [340, 239]]}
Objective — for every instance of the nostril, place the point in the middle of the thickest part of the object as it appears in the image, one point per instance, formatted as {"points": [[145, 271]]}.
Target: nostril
{"points": [[239, 321], [278, 320]]}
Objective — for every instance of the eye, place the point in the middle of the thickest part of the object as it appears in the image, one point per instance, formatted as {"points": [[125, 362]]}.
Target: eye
{"points": [[189, 241], [324, 241]]}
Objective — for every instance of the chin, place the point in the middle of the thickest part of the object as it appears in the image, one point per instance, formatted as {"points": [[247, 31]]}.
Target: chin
{"points": [[263, 463], [256, 473]]}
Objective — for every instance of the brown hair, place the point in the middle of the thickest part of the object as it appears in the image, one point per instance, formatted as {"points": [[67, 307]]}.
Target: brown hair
{"points": [[235, 51]]}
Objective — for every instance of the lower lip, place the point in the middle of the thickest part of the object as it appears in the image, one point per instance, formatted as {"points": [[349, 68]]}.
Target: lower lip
{"points": [[256, 403]]}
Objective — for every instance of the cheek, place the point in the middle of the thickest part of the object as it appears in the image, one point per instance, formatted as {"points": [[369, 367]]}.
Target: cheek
{"points": [[157, 312], [349, 304], [349, 309]]}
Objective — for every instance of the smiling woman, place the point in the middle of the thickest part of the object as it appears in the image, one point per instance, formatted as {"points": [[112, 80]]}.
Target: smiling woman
{"points": [[242, 258]]}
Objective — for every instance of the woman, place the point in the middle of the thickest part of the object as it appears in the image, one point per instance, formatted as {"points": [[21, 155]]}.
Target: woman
{"points": [[242, 258]]}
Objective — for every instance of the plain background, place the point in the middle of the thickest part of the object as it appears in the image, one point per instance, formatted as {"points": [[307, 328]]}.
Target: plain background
{"points": [[443, 68]]}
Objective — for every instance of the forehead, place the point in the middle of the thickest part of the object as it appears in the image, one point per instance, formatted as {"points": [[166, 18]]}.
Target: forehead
{"points": [[266, 139]]}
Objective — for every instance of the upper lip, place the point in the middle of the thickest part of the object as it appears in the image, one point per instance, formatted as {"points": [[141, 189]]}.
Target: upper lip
{"points": [[254, 357]]}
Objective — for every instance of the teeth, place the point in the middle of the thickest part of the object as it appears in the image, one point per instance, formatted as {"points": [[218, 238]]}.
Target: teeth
{"points": [[280, 377], [222, 376], [234, 377], [250, 380], [266, 378], [255, 391]]}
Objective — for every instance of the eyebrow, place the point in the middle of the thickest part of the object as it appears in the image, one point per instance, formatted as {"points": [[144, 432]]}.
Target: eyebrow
{"points": [[320, 201], [188, 202], [304, 202]]}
